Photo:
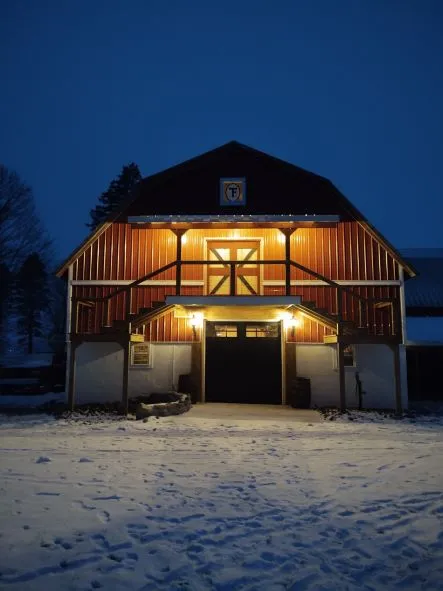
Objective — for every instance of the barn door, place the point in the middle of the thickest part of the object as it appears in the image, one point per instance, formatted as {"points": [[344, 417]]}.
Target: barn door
{"points": [[247, 275]]}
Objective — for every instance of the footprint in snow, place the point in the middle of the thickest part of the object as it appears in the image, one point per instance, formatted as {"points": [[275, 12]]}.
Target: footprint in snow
{"points": [[42, 460], [84, 460], [104, 516]]}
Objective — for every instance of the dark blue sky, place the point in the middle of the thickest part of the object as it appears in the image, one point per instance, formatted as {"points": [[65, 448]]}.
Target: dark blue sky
{"points": [[350, 89]]}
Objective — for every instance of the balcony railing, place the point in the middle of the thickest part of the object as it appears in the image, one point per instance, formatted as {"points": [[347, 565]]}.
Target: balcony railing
{"points": [[379, 316]]}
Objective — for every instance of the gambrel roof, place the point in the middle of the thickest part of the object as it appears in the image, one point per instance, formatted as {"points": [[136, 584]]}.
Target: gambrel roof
{"points": [[273, 187]]}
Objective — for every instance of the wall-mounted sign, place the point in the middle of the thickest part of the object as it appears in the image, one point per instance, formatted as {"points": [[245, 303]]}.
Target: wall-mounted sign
{"points": [[233, 191]]}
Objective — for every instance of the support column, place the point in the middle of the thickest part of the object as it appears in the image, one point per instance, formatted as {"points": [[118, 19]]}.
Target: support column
{"points": [[178, 270], [72, 367], [197, 370], [401, 276], [126, 344], [397, 376], [68, 323], [341, 375], [287, 233]]}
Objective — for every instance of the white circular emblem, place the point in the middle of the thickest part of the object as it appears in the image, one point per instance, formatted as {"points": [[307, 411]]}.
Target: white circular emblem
{"points": [[233, 191]]}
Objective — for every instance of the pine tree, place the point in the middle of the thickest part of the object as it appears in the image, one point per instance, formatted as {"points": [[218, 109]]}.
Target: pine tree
{"points": [[31, 299], [119, 190]]}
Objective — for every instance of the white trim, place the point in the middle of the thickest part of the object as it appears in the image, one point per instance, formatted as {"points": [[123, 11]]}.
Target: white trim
{"points": [[424, 344], [149, 219], [265, 282], [401, 275], [69, 302], [319, 282], [203, 362], [68, 324], [283, 341], [120, 282], [148, 365], [234, 300], [259, 239]]}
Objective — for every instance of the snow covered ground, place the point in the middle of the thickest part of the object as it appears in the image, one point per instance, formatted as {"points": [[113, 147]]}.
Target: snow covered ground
{"points": [[194, 503]]}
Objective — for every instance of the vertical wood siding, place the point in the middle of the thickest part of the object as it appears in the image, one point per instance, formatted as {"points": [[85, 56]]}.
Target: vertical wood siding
{"points": [[124, 252], [344, 252]]}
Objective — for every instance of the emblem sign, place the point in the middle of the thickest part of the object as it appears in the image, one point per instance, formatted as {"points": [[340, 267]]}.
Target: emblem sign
{"points": [[233, 191]]}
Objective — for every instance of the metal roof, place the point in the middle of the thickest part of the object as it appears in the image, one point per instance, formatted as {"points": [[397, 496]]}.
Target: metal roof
{"points": [[426, 289]]}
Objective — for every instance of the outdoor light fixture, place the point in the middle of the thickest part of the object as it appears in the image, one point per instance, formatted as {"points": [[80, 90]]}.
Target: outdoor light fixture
{"points": [[196, 320], [290, 321]]}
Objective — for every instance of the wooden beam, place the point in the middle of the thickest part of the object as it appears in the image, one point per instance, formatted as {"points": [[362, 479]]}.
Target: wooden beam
{"points": [[178, 272], [196, 370], [291, 368], [71, 383], [341, 375], [362, 339], [287, 234], [232, 280], [125, 380], [397, 377]]}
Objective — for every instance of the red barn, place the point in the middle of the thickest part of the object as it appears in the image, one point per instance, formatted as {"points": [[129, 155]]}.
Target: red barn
{"points": [[243, 273]]}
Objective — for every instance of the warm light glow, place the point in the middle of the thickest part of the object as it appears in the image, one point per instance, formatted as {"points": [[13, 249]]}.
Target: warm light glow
{"points": [[290, 321], [196, 320], [184, 239], [281, 237]]}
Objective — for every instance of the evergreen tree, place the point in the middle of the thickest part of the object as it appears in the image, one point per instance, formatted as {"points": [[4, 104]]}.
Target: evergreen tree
{"points": [[31, 299], [118, 191]]}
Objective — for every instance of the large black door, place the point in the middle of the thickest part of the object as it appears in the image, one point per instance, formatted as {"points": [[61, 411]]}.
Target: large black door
{"points": [[243, 362]]}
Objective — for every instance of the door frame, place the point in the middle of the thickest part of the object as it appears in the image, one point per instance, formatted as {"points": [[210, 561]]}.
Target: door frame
{"points": [[283, 357], [258, 239]]}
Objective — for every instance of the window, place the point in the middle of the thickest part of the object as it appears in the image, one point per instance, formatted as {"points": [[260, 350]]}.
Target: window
{"points": [[141, 355], [349, 358], [225, 330], [262, 330]]}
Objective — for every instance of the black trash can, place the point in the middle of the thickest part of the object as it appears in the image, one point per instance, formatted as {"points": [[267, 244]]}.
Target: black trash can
{"points": [[186, 386], [299, 395]]}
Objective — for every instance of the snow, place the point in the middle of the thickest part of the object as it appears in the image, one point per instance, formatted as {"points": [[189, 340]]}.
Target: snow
{"points": [[199, 503]]}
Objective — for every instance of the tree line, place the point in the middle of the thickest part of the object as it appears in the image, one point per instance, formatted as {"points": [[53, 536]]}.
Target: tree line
{"points": [[32, 298]]}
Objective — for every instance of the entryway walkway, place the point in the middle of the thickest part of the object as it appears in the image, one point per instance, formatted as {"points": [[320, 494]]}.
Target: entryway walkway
{"points": [[263, 412]]}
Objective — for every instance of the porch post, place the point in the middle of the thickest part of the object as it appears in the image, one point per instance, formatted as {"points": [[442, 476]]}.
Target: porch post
{"points": [[341, 374], [71, 373], [397, 377], [126, 353], [178, 271], [287, 233], [232, 279]]}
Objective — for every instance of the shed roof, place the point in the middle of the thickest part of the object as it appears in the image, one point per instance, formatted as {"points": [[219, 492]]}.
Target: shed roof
{"points": [[425, 291]]}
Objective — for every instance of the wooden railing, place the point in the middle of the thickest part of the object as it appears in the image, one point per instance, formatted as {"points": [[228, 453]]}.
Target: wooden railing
{"points": [[368, 308]]}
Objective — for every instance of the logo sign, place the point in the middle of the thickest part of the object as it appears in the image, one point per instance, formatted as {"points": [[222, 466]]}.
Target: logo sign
{"points": [[233, 191]]}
